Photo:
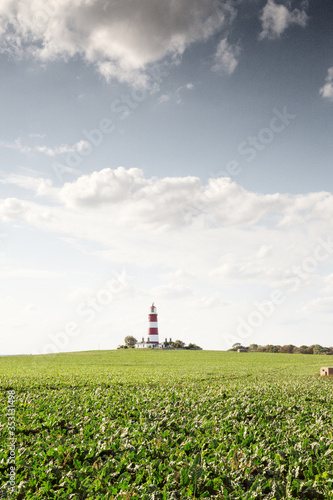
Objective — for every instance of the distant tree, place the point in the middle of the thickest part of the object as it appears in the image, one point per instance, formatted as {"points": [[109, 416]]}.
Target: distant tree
{"points": [[192, 346], [318, 349], [304, 349], [287, 348], [270, 348], [178, 344], [130, 341]]}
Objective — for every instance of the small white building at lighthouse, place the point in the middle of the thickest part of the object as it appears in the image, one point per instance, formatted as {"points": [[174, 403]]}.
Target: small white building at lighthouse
{"points": [[152, 337]]}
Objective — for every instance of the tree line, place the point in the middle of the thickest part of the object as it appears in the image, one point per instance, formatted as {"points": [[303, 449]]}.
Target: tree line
{"points": [[289, 349]]}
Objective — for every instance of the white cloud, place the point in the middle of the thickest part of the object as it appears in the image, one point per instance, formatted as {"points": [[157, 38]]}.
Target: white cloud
{"points": [[276, 18], [169, 202], [264, 251], [322, 305], [80, 294], [12, 208], [30, 273], [106, 186], [48, 151], [164, 98], [36, 135], [132, 200], [176, 95], [226, 57], [327, 90], [16, 145], [30, 308], [39, 185], [171, 291], [216, 232], [327, 284], [119, 37], [308, 206], [209, 302], [248, 269], [63, 148], [174, 286], [176, 276]]}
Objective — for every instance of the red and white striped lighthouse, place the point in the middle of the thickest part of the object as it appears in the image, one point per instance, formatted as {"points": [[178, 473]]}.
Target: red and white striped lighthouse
{"points": [[153, 325]]}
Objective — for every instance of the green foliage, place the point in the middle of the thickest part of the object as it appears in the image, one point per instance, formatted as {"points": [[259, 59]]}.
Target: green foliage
{"points": [[290, 349], [130, 341], [163, 425], [178, 344], [192, 346]]}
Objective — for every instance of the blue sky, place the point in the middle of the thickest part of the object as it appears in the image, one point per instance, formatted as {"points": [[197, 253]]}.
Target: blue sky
{"points": [[179, 153]]}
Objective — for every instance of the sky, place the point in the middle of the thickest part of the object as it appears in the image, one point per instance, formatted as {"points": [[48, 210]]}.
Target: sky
{"points": [[178, 152]]}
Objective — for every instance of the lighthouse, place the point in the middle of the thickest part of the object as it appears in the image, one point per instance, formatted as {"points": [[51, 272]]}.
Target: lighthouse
{"points": [[153, 325], [152, 338]]}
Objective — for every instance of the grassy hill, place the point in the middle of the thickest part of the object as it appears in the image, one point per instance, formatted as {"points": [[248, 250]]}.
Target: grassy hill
{"points": [[139, 363], [164, 425]]}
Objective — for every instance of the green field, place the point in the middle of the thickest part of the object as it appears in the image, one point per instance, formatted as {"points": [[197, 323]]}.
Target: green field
{"points": [[152, 425]]}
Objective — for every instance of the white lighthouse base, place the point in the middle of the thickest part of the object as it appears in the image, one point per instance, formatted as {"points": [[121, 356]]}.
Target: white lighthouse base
{"points": [[148, 345]]}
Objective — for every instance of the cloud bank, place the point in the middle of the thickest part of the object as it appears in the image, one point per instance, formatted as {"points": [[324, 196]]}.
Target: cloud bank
{"points": [[212, 245], [120, 37], [168, 203]]}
